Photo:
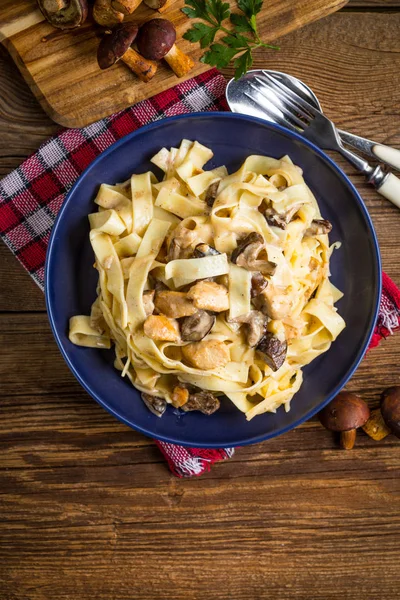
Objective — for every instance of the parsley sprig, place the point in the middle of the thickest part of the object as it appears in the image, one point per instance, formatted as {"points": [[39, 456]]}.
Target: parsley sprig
{"points": [[233, 45]]}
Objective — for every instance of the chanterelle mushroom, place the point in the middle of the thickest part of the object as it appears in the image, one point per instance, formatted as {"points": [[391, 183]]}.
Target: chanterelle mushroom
{"points": [[345, 414], [64, 14], [203, 401], [256, 326], [156, 40], [155, 404], [117, 45], [196, 327], [318, 227], [273, 350], [246, 255]]}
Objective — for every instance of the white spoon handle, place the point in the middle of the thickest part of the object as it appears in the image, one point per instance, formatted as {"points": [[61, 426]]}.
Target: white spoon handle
{"points": [[390, 189]]}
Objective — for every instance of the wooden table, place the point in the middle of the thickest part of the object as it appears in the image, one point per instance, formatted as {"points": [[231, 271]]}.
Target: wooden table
{"points": [[89, 508]]}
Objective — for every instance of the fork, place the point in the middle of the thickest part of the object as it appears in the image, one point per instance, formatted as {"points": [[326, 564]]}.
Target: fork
{"points": [[293, 112]]}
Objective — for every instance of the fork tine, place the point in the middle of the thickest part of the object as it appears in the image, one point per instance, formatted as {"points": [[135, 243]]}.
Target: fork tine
{"points": [[292, 95], [270, 86], [281, 107], [277, 117]]}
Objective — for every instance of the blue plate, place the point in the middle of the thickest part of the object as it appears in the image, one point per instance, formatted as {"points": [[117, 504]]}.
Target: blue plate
{"points": [[71, 280]]}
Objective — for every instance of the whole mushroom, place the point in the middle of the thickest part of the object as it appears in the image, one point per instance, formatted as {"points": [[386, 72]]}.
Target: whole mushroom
{"points": [[64, 14], [390, 409], [127, 7], [156, 40], [105, 15], [345, 414], [160, 5], [117, 45]]}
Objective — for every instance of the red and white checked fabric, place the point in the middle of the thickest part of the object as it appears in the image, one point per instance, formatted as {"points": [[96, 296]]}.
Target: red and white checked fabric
{"points": [[31, 196]]}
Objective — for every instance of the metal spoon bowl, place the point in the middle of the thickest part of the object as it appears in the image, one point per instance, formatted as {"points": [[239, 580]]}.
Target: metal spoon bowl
{"points": [[243, 97]]}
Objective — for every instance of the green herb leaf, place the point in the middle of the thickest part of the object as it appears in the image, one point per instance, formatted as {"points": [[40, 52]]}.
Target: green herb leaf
{"points": [[219, 56], [202, 33], [236, 41], [241, 23], [218, 9], [197, 9], [243, 64], [250, 7]]}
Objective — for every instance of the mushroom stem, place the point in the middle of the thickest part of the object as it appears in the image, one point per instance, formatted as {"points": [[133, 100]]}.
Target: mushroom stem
{"points": [[105, 15], [179, 62], [127, 7], [165, 7], [348, 439], [143, 68]]}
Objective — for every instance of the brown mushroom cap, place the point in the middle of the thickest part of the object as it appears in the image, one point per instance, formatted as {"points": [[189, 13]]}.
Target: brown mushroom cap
{"points": [[114, 45], [346, 411], [64, 14], [156, 38], [390, 409]]}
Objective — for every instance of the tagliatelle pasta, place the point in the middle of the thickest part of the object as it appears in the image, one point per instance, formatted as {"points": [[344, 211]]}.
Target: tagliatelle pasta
{"points": [[211, 283]]}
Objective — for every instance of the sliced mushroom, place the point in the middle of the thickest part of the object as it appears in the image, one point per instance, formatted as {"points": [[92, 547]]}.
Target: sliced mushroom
{"points": [[281, 220], [318, 227], [203, 250], [211, 193], [156, 40], [181, 245], [246, 255], [208, 295], [105, 15], [148, 304], [273, 350], [203, 401], [174, 304], [196, 327], [155, 404], [162, 329], [117, 45], [258, 284], [64, 14], [206, 355], [256, 326]]}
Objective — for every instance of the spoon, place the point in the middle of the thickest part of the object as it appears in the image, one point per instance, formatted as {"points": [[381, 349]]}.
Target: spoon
{"points": [[238, 95]]}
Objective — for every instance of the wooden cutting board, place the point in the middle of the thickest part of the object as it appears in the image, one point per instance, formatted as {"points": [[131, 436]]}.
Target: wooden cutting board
{"points": [[61, 67]]}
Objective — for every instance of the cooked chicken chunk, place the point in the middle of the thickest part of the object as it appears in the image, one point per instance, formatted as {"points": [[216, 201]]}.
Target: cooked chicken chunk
{"points": [[206, 355], [275, 302], [180, 396], [174, 304], [161, 328], [208, 295], [148, 304]]}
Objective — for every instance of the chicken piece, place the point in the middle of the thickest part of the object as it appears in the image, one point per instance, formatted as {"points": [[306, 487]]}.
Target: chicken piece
{"points": [[208, 295], [174, 304], [148, 302], [180, 396], [274, 302], [161, 329], [206, 355]]}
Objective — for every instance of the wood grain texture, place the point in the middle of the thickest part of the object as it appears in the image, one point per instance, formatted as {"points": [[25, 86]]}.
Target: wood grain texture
{"points": [[61, 67], [89, 510]]}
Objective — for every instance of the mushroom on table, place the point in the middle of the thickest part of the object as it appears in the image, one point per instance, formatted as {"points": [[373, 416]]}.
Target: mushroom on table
{"points": [[117, 46], [390, 409], [127, 7], [156, 40], [345, 414], [64, 14], [105, 15]]}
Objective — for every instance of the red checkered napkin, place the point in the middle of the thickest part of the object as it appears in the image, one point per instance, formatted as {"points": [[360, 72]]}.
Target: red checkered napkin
{"points": [[31, 196]]}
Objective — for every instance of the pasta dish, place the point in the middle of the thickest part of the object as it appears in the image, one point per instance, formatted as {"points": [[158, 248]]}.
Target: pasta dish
{"points": [[211, 284]]}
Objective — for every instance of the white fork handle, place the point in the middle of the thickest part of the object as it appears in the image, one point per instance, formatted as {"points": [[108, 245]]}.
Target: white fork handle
{"points": [[390, 189], [387, 154]]}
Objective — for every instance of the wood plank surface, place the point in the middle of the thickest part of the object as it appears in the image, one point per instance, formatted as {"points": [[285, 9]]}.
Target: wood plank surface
{"points": [[89, 510]]}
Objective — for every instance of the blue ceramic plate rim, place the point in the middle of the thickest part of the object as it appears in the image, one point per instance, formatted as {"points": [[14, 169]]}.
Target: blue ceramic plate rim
{"points": [[146, 129]]}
